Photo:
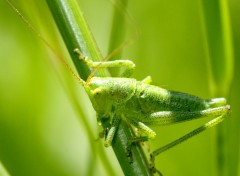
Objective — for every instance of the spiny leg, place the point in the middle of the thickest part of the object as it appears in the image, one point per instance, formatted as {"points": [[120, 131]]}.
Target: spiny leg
{"points": [[198, 130], [127, 64]]}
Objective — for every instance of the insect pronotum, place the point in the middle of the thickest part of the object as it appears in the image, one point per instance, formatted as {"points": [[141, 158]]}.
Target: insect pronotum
{"points": [[142, 105]]}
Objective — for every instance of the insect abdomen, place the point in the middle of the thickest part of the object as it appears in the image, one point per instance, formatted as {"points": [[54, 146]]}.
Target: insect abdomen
{"points": [[149, 99]]}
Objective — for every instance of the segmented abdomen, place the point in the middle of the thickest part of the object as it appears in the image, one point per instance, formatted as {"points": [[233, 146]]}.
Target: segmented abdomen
{"points": [[149, 98]]}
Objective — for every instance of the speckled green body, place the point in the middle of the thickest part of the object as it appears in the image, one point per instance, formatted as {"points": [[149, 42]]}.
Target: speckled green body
{"points": [[142, 104], [136, 100]]}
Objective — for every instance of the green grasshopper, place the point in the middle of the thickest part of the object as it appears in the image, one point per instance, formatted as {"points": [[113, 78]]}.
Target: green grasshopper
{"points": [[141, 104]]}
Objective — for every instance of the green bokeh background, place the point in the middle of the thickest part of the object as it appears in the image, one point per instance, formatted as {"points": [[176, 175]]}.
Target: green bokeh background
{"points": [[40, 133]]}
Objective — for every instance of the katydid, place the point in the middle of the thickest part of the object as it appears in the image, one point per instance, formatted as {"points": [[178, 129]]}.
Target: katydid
{"points": [[141, 104]]}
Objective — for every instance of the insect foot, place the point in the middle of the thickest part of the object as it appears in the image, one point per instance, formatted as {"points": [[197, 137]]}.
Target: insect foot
{"points": [[129, 154], [152, 167], [84, 58], [81, 56]]}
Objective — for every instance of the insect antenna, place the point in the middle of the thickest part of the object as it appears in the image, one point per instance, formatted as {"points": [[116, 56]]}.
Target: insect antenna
{"points": [[37, 33], [129, 18], [132, 38]]}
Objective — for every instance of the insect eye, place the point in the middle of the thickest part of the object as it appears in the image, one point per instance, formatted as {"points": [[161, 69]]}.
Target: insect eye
{"points": [[97, 91]]}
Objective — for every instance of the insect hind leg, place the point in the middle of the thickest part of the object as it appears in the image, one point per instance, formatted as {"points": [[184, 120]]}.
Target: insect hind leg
{"points": [[225, 113]]}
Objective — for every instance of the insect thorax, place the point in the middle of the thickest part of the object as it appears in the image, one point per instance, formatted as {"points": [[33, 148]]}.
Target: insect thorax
{"points": [[108, 93]]}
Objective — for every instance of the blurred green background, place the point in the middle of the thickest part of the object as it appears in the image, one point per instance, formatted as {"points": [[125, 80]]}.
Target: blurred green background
{"points": [[40, 133]]}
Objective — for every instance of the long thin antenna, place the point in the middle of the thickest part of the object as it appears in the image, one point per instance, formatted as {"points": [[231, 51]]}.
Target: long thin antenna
{"points": [[134, 37], [129, 17], [61, 59], [37, 33], [119, 5]]}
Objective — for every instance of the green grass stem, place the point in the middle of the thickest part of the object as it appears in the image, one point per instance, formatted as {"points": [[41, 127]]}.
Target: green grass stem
{"points": [[220, 63], [76, 34]]}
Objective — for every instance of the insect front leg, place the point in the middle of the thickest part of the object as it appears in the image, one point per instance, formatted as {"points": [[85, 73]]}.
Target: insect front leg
{"points": [[127, 64]]}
